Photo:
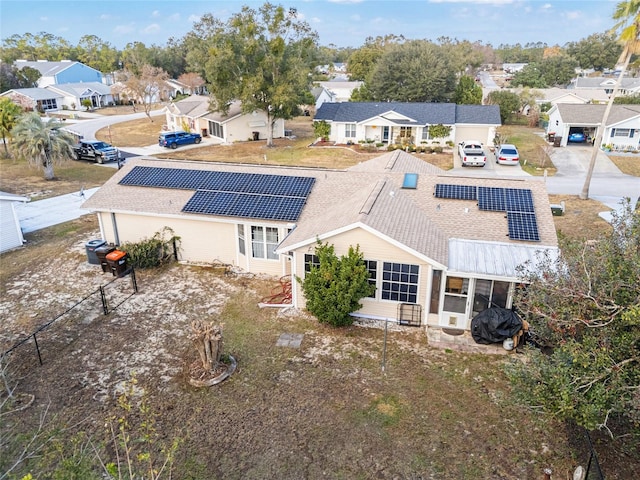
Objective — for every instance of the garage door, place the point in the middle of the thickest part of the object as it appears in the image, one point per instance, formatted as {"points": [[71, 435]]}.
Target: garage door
{"points": [[473, 133]]}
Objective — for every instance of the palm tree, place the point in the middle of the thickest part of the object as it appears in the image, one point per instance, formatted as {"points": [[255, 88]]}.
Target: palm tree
{"points": [[9, 113], [42, 142], [625, 12]]}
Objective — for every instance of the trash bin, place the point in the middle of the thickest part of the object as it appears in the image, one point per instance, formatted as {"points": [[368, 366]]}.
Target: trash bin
{"points": [[101, 253], [205, 132], [557, 141], [256, 135], [91, 246], [551, 136], [117, 261]]}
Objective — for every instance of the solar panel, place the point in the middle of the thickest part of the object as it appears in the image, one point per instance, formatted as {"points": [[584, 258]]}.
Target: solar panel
{"points": [[244, 205], [523, 226], [491, 198], [187, 179], [458, 192], [519, 200]]}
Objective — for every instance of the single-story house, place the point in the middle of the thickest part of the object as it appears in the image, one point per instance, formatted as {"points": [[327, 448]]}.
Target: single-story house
{"points": [[628, 85], [622, 131], [74, 93], [439, 248], [194, 114], [10, 231], [333, 91], [389, 123], [65, 71], [41, 99]]}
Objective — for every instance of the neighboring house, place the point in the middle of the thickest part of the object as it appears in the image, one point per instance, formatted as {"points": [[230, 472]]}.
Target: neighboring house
{"points": [[439, 248], [57, 73], [194, 114], [10, 231], [178, 88], [621, 132], [389, 123], [556, 95], [628, 86], [333, 92], [513, 67], [41, 99], [74, 93]]}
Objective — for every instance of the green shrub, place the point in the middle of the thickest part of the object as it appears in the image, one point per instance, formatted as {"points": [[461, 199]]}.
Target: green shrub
{"points": [[155, 251]]}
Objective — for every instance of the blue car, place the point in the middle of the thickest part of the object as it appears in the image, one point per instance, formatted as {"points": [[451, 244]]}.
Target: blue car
{"points": [[173, 139], [577, 137]]}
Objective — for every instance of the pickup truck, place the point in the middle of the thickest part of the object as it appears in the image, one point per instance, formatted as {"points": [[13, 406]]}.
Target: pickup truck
{"points": [[472, 154], [95, 150]]}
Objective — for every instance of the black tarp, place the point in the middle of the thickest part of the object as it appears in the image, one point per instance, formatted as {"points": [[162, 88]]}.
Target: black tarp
{"points": [[494, 325]]}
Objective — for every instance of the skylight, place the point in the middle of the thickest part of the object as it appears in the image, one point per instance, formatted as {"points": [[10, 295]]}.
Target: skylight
{"points": [[410, 181]]}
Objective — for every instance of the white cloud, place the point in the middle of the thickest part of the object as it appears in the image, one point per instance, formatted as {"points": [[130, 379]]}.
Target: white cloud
{"points": [[106, 16], [44, 19], [194, 18], [346, 1], [155, 14], [175, 17], [355, 18], [120, 29], [574, 15], [153, 28], [316, 20]]}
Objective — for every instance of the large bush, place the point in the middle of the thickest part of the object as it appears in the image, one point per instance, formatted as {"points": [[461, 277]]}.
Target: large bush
{"points": [[334, 288]]}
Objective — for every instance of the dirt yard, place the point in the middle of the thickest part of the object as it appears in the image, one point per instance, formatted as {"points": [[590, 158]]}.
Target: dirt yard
{"points": [[325, 410]]}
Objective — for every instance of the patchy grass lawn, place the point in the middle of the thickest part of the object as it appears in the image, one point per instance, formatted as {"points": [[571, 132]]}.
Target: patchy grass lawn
{"points": [[324, 410], [629, 164], [581, 219], [19, 178], [533, 148], [134, 133]]}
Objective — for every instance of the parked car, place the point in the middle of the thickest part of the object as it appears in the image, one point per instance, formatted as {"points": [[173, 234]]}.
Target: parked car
{"points": [[95, 150], [472, 154], [173, 139], [507, 154], [577, 137]]}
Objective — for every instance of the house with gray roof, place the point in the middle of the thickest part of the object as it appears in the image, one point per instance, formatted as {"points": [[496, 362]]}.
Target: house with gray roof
{"points": [[402, 123], [628, 86], [622, 131], [65, 71], [40, 99], [333, 91], [439, 248], [195, 114], [74, 94]]}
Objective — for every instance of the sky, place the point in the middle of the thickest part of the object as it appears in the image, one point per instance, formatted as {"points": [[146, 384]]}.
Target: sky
{"points": [[342, 23]]}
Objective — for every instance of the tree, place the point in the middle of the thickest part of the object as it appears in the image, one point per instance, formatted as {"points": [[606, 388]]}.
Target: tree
{"points": [[9, 113], [597, 51], [551, 71], [145, 88], [508, 102], [42, 142], [468, 92], [415, 71], [262, 58], [628, 16], [439, 131], [322, 129], [586, 304], [334, 288], [192, 80], [96, 53]]}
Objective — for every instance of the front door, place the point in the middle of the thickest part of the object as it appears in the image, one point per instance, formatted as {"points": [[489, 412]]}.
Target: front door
{"points": [[455, 306], [385, 134]]}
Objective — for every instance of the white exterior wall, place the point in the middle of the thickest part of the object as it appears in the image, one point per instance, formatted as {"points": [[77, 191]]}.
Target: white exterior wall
{"points": [[372, 248], [632, 141], [10, 232]]}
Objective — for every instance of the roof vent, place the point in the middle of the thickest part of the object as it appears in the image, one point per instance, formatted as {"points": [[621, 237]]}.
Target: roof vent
{"points": [[410, 181]]}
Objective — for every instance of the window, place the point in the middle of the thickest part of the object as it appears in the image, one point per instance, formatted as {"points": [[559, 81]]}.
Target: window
{"points": [[216, 129], [264, 241], [400, 282], [425, 133], [241, 244], [310, 260], [405, 132], [455, 294], [49, 104], [350, 130], [489, 293], [622, 132], [372, 268]]}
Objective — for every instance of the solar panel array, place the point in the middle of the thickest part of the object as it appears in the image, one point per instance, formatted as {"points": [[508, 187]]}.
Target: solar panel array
{"points": [[185, 179], [245, 205], [457, 192], [516, 202], [232, 194]]}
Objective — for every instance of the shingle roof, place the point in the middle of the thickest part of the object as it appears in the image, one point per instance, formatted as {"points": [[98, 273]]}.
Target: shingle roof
{"points": [[420, 113], [46, 69], [592, 114], [80, 87], [34, 93], [196, 106]]}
